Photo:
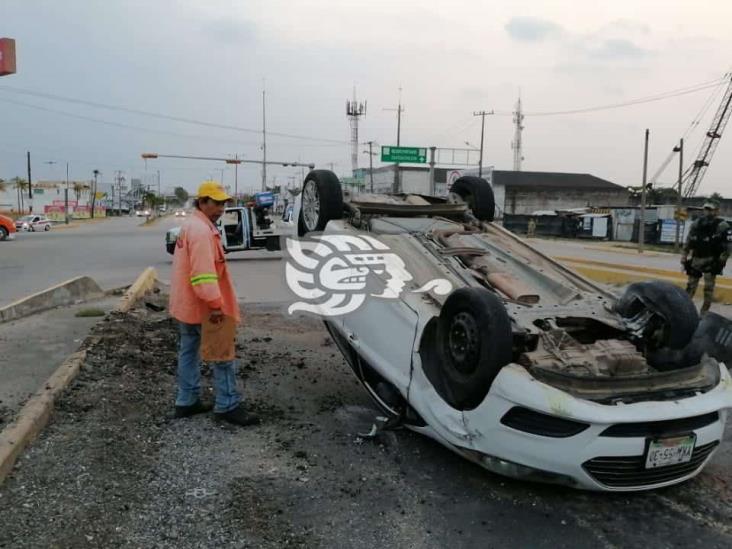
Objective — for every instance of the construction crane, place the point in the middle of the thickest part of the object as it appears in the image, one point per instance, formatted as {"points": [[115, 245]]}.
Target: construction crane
{"points": [[695, 173]]}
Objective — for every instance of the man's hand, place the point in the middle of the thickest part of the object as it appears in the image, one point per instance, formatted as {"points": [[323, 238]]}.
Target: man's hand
{"points": [[216, 316]]}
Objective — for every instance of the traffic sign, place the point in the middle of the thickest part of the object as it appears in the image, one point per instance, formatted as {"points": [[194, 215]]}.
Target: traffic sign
{"points": [[409, 155]]}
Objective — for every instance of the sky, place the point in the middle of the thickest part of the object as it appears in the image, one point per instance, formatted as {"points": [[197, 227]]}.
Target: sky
{"points": [[209, 60]]}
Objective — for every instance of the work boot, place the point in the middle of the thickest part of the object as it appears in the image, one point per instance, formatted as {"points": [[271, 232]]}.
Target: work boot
{"points": [[238, 416], [705, 307], [197, 407]]}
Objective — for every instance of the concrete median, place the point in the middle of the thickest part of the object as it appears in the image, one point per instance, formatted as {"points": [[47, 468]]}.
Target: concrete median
{"points": [[619, 274], [76, 290]]}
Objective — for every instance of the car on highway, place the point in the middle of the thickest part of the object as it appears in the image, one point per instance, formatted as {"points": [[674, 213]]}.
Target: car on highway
{"points": [[7, 228], [461, 331], [245, 227], [33, 223], [142, 213]]}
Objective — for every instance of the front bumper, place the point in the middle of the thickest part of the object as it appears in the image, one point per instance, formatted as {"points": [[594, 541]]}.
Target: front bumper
{"points": [[590, 459]]}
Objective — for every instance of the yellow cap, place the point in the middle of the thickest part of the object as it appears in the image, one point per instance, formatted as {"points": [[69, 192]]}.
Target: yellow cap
{"points": [[212, 189]]}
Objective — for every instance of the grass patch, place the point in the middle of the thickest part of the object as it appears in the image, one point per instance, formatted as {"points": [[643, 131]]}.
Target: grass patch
{"points": [[87, 313]]}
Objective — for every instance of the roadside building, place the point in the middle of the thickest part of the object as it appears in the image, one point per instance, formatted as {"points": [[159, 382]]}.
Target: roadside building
{"points": [[516, 193]]}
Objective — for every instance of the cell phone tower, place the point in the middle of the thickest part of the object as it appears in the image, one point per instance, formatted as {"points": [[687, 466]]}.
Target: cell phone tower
{"points": [[354, 110], [517, 143]]}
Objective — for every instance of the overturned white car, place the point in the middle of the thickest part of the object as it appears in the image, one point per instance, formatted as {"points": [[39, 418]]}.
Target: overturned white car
{"points": [[461, 331]]}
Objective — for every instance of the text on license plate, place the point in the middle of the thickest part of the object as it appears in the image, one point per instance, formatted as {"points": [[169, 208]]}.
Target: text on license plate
{"points": [[670, 451]]}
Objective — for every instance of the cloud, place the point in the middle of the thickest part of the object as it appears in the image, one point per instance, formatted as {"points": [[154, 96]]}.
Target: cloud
{"points": [[532, 29], [618, 49]]}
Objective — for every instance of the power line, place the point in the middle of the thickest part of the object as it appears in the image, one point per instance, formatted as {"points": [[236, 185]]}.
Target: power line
{"points": [[638, 101], [97, 105]]}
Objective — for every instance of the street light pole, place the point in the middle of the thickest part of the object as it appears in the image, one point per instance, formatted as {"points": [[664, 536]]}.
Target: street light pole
{"points": [[642, 228], [66, 197]]}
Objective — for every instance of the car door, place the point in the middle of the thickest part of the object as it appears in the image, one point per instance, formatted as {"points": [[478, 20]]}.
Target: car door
{"points": [[382, 331], [234, 228]]}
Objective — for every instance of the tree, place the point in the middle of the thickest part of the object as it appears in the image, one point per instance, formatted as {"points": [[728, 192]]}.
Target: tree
{"points": [[181, 194], [716, 197], [79, 189], [3, 186], [20, 186]]}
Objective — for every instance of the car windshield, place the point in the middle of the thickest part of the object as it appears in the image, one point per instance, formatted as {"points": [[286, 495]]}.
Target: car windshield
{"points": [[26, 218]]}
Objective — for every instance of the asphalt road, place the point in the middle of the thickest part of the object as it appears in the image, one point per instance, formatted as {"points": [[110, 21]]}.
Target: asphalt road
{"points": [[114, 252]]}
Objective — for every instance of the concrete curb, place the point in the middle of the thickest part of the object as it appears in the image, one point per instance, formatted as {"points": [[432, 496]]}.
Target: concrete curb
{"points": [[36, 413], [72, 291]]}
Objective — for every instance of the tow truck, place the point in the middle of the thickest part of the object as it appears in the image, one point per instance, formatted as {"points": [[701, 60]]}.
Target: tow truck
{"points": [[246, 227]]}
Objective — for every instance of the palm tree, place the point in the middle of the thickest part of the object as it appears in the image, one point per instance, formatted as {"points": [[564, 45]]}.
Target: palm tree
{"points": [[20, 185], [79, 190]]}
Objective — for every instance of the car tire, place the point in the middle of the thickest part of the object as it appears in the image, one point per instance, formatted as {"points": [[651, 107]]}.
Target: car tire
{"points": [[474, 341], [272, 244], [672, 305], [3, 233], [322, 201], [478, 194], [170, 248], [47, 228]]}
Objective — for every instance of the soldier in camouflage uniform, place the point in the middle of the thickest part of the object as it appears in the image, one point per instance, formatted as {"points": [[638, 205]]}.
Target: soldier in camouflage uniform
{"points": [[708, 244]]}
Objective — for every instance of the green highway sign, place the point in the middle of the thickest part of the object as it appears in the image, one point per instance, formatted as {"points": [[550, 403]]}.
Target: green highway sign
{"points": [[411, 155]]}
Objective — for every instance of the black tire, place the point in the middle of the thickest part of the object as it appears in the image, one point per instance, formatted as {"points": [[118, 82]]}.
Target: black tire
{"points": [[323, 187], [676, 317], [3, 233], [478, 194], [170, 248], [47, 228], [272, 244], [474, 341]]}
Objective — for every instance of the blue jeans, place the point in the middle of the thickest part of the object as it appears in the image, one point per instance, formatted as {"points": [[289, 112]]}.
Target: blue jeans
{"points": [[189, 373]]}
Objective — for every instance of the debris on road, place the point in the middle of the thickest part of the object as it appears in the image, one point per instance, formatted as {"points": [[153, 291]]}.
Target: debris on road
{"points": [[114, 469]]}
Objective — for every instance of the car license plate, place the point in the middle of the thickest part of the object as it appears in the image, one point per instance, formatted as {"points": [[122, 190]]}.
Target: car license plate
{"points": [[670, 451]]}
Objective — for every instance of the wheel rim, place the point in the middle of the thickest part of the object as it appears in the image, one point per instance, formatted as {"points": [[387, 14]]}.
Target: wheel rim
{"points": [[310, 205], [463, 343]]}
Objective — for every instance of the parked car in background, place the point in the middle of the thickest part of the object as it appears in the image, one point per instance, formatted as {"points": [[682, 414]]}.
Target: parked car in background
{"points": [[7, 228], [33, 223], [246, 228]]}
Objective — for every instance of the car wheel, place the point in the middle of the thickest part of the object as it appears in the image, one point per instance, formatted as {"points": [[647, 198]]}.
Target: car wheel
{"points": [[272, 244], [477, 193], [673, 317], [3, 233], [322, 201], [170, 247], [474, 341], [47, 228]]}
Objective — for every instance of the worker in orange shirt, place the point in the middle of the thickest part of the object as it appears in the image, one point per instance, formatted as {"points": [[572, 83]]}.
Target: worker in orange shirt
{"points": [[201, 288]]}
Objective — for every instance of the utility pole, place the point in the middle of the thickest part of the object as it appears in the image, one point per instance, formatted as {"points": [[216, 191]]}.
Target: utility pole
{"points": [[642, 225], [399, 110], [236, 180], [264, 142], [371, 163], [517, 144], [30, 187], [432, 168], [354, 111], [680, 198], [482, 115]]}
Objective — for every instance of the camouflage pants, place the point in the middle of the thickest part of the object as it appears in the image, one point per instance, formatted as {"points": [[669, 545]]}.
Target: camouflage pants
{"points": [[709, 281]]}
